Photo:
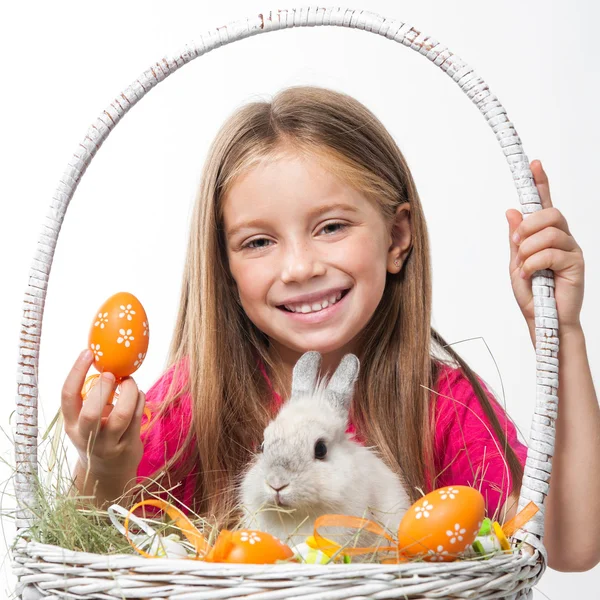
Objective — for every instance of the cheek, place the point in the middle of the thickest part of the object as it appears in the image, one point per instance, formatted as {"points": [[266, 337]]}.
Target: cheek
{"points": [[252, 491], [366, 261], [252, 279]]}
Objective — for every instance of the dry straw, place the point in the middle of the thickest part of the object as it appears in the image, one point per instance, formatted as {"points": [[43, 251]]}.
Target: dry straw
{"points": [[50, 570]]}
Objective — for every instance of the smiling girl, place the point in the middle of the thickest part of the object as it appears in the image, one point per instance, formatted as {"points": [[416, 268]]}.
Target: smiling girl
{"points": [[308, 234]]}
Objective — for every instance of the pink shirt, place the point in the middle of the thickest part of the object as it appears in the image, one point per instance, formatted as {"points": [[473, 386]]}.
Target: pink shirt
{"points": [[466, 452]]}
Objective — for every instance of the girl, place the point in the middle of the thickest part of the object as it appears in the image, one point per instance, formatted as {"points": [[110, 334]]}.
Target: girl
{"points": [[308, 234]]}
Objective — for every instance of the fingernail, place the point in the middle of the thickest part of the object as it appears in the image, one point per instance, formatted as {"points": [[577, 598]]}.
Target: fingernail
{"points": [[516, 238], [85, 355], [108, 377]]}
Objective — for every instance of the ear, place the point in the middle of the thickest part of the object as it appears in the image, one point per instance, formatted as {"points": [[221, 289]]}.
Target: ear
{"points": [[341, 385], [401, 239], [305, 373]]}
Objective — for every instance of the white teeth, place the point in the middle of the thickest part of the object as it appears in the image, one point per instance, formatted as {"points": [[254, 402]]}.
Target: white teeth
{"points": [[315, 306]]}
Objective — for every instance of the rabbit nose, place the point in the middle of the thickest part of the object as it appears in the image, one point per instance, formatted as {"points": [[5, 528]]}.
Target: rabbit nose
{"points": [[278, 489]]}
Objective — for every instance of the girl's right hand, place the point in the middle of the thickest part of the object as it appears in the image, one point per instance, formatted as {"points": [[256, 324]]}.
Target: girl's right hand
{"points": [[108, 446]]}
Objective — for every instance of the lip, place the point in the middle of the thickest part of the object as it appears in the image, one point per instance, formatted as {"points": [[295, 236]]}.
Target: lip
{"points": [[321, 315], [313, 296], [281, 502]]}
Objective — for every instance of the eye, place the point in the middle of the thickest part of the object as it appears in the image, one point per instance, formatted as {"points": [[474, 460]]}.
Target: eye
{"points": [[257, 244], [320, 450], [261, 448], [330, 228]]}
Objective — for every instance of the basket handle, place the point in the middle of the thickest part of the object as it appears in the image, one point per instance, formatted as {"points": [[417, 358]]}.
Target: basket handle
{"points": [[538, 466]]}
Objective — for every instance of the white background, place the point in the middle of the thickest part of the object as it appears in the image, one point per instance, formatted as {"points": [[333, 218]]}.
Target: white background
{"points": [[63, 62]]}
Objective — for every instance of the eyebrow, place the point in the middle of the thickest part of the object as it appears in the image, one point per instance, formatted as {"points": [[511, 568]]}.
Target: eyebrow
{"points": [[316, 212]]}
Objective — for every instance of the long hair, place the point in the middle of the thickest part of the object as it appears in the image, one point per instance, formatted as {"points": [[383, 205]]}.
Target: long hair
{"points": [[222, 349]]}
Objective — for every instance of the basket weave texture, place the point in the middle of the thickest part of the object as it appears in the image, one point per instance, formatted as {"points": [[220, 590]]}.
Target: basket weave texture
{"points": [[46, 571]]}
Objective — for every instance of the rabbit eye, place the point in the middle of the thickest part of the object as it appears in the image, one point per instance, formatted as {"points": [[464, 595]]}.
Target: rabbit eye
{"points": [[260, 448], [320, 450]]}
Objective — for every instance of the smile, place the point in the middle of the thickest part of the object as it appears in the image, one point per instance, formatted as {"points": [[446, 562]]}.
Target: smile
{"points": [[315, 305]]}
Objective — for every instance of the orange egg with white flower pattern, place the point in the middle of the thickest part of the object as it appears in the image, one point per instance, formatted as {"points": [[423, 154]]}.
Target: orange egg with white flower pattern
{"points": [[250, 547], [119, 335], [442, 524]]}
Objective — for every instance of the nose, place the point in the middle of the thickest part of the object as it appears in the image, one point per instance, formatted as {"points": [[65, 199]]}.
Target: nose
{"points": [[278, 489], [301, 263]]}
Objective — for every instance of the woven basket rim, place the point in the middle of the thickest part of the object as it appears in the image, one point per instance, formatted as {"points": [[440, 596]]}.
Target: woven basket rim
{"points": [[32, 548], [57, 569]]}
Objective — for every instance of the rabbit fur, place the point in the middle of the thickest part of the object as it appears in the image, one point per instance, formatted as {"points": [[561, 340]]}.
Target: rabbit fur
{"points": [[350, 479]]}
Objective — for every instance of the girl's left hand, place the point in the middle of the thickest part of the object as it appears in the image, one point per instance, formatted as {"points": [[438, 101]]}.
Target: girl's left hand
{"points": [[543, 241]]}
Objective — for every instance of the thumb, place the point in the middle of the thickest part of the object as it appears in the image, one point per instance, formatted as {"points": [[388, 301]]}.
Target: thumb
{"points": [[514, 218]]}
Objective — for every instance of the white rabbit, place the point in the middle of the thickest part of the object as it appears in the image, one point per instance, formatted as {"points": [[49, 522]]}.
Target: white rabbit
{"points": [[309, 466]]}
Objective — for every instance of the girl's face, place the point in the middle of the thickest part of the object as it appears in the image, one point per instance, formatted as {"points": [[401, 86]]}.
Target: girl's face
{"points": [[309, 254]]}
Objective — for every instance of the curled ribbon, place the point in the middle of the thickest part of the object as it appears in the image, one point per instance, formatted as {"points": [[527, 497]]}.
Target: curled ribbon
{"points": [[170, 546], [202, 548], [179, 520], [317, 541], [91, 381], [331, 548], [523, 516]]}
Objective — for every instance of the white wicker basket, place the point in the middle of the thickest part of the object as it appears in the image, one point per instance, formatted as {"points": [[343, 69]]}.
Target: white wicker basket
{"points": [[54, 572]]}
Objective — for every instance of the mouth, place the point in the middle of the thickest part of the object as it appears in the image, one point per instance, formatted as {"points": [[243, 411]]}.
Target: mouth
{"points": [[316, 306], [279, 501]]}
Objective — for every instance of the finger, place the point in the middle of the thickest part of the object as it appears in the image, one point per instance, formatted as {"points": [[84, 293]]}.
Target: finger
{"points": [[550, 258], [70, 398], [514, 218], [549, 217], [105, 414], [133, 432], [123, 412], [549, 237], [541, 182], [93, 407]]}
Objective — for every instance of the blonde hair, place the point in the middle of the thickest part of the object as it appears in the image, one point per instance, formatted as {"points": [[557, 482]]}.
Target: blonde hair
{"points": [[222, 349]]}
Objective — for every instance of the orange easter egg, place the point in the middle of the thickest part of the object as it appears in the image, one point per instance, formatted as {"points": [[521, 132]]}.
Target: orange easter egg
{"points": [[250, 547], [442, 524], [119, 335]]}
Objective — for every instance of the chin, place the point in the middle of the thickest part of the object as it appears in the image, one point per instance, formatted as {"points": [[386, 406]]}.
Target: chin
{"points": [[321, 344]]}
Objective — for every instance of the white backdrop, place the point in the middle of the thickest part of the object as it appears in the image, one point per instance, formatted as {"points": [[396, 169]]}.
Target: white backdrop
{"points": [[63, 62]]}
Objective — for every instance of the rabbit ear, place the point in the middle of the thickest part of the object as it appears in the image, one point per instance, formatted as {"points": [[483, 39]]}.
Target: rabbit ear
{"points": [[305, 373], [341, 385]]}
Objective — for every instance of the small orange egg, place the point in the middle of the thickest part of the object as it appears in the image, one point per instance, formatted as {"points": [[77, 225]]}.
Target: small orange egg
{"points": [[442, 524], [250, 547], [119, 335]]}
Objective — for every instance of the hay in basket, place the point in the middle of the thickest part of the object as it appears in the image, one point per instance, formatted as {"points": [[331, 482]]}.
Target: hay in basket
{"points": [[50, 570]]}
